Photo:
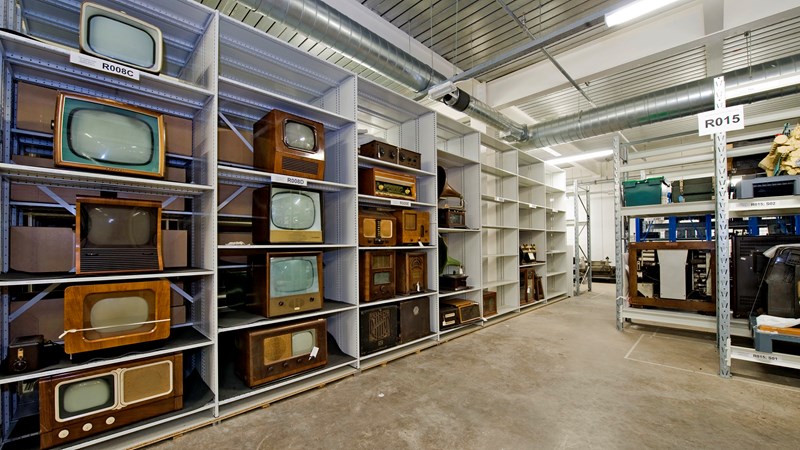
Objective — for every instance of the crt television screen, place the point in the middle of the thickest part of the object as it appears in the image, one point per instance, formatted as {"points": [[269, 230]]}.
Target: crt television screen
{"points": [[118, 313], [105, 135], [121, 38], [293, 275], [118, 226], [299, 136], [83, 397], [294, 210]]}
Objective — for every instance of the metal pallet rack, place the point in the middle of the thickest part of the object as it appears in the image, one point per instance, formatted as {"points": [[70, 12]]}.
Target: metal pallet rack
{"points": [[582, 208]]}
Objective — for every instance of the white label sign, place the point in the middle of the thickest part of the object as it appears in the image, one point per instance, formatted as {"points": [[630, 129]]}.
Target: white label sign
{"points": [[296, 181], [766, 357], [719, 120], [405, 203], [103, 65]]}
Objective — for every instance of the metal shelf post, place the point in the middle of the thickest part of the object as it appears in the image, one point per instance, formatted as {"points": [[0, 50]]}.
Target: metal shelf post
{"points": [[722, 244]]}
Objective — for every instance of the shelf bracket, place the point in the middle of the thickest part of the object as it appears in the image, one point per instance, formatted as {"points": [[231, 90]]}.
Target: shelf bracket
{"points": [[30, 303], [235, 131], [181, 292], [231, 198], [57, 199], [168, 201]]}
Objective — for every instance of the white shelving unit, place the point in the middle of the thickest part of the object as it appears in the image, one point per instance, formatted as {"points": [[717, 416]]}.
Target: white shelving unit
{"points": [[222, 76]]}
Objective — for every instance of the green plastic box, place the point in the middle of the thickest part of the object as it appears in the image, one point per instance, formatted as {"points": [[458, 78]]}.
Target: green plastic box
{"points": [[642, 192]]}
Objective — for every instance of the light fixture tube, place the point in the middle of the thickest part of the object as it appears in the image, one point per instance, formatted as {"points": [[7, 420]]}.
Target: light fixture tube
{"points": [[634, 10], [762, 85], [580, 157]]}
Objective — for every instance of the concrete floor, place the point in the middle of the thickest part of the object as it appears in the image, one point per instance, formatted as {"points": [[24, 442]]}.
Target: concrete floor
{"points": [[559, 377]]}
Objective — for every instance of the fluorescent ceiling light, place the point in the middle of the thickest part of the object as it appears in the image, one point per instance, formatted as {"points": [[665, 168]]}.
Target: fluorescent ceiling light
{"points": [[635, 10], [580, 157], [745, 89], [551, 151]]}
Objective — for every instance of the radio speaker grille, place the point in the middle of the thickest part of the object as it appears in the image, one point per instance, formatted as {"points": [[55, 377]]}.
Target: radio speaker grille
{"points": [[142, 383], [298, 165], [118, 260]]}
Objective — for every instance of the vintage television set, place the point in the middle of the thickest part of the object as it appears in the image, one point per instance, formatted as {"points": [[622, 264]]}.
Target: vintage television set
{"points": [[748, 266], [413, 227], [98, 134], [118, 37], [117, 236], [415, 319], [287, 215], [268, 354], [376, 228], [378, 328], [284, 143], [377, 278], [98, 316], [412, 272], [387, 183], [286, 283], [81, 404]]}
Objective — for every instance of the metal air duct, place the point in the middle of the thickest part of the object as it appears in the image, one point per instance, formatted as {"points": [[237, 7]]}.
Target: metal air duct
{"points": [[329, 26]]}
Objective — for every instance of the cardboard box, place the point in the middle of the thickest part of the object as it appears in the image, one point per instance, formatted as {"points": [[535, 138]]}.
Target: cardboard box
{"points": [[46, 317], [242, 204], [178, 315], [36, 107], [42, 249], [231, 149], [178, 133], [175, 248]]}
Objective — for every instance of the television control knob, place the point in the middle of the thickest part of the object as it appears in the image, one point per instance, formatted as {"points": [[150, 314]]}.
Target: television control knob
{"points": [[299, 360], [311, 299], [270, 368], [391, 155], [285, 364], [110, 420], [281, 303], [63, 434], [381, 152], [86, 427], [402, 157]]}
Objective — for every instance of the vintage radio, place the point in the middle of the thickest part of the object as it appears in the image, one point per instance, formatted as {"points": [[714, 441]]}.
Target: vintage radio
{"points": [[25, 354], [287, 283], [377, 275], [450, 216], [380, 151], [413, 226], [267, 354], [117, 236], [376, 228], [98, 316], [387, 183], [89, 402], [409, 158], [527, 253], [415, 319], [466, 311], [768, 186], [489, 303], [412, 272], [448, 316], [285, 215], [527, 285], [378, 328], [287, 144]]}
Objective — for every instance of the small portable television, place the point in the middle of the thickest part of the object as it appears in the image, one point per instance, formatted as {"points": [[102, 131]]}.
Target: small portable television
{"points": [[81, 404], [117, 236], [413, 227], [98, 316], [378, 328], [377, 275], [412, 272], [287, 215], [105, 135], [118, 37], [376, 228], [268, 354], [287, 144], [287, 283]]}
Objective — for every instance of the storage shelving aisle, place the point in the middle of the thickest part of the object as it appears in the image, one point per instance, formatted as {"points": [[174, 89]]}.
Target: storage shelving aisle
{"points": [[390, 118], [254, 81], [458, 149], [558, 282], [34, 194], [533, 214], [500, 222]]}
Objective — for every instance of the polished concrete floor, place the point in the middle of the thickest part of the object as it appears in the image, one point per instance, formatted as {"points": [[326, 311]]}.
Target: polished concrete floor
{"points": [[558, 377]]}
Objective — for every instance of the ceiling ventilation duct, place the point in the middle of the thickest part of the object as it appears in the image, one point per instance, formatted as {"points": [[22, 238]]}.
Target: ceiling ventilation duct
{"points": [[327, 25]]}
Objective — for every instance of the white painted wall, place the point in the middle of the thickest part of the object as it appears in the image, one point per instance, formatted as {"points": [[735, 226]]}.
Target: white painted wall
{"points": [[601, 204]]}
